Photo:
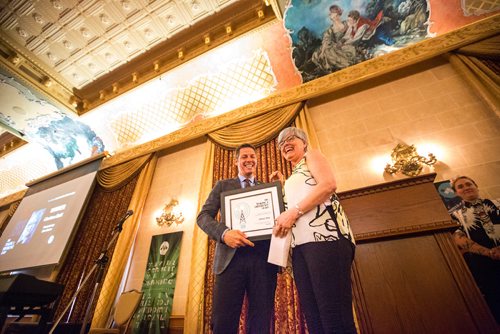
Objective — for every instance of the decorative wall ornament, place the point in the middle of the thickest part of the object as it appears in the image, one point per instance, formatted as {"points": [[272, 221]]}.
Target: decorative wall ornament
{"points": [[407, 161], [47, 82], [22, 33], [168, 216], [57, 4], [38, 18]]}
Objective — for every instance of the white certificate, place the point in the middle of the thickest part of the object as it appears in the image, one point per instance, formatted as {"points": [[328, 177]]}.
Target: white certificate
{"points": [[253, 210]]}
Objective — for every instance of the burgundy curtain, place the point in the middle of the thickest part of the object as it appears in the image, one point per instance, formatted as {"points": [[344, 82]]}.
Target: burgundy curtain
{"points": [[92, 237]]}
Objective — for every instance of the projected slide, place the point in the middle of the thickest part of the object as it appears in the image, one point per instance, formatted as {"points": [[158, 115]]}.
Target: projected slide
{"points": [[41, 227]]}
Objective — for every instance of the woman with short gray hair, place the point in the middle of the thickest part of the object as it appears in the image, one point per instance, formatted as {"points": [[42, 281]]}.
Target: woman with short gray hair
{"points": [[322, 240]]}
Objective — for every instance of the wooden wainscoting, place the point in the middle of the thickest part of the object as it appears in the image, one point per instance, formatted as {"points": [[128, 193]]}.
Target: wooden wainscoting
{"points": [[176, 324]]}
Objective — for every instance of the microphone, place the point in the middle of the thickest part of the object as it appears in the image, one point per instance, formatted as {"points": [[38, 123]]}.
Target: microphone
{"points": [[127, 214]]}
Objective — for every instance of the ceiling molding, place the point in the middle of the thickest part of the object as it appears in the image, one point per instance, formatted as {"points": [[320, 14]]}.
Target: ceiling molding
{"points": [[35, 76], [9, 142], [361, 72]]}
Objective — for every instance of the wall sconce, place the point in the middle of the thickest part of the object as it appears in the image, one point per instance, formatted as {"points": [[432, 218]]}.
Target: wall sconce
{"points": [[168, 217], [406, 160]]}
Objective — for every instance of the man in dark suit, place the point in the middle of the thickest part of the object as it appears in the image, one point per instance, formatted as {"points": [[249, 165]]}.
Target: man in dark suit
{"points": [[240, 265]]}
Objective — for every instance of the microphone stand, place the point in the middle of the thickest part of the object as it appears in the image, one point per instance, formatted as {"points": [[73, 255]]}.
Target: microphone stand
{"points": [[100, 264]]}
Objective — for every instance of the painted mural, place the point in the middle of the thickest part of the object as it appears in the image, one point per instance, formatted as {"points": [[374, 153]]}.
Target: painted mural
{"points": [[328, 36], [66, 139]]}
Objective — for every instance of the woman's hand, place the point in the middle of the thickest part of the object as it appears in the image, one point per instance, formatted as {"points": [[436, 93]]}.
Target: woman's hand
{"points": [[276, 176], [495, 253], [284, 222]]}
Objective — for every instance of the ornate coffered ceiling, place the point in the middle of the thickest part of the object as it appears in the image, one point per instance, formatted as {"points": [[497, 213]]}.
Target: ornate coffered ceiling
{"points": [[85, 52]]}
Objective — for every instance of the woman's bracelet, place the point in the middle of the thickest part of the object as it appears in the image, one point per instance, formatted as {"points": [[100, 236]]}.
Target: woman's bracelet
{"points": [[298, 210]]}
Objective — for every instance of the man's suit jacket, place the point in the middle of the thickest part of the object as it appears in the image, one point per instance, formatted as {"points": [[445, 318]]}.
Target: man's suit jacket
{"points": [[206, 221]]}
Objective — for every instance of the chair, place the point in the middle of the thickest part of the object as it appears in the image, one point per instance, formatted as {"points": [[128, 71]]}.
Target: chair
{"points": [[124, 311]]}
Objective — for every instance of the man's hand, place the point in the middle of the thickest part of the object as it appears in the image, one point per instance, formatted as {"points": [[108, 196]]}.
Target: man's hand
{"points": [[236, 239]]}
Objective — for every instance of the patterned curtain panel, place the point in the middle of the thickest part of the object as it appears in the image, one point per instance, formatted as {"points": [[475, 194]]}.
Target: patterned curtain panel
{"points": [[194, 318], [118, 262], [109, 201], [479, 62]]}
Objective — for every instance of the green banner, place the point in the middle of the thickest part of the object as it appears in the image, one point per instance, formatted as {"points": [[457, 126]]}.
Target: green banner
{"points": [[153, 314]]}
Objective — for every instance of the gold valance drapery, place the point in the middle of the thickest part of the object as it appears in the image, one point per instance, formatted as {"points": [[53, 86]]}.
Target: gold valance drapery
{"points": [[479, 64], [257, 130], [115, 176]]}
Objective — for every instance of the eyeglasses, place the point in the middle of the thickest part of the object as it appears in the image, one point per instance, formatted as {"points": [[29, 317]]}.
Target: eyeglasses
{"points": [[286, 140]]}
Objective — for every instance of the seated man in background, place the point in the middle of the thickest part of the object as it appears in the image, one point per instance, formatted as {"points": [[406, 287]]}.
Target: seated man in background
{"points": [[478, 238]]}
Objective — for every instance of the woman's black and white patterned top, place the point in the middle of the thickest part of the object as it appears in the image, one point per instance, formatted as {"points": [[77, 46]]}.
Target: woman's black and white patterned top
{"points": [[315, 225], [480, 221]]}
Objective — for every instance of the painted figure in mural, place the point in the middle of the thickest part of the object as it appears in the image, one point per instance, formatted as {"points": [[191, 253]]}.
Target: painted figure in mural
{"points": [[240, 265], [360, 28], [322, 241], [478, 238], [372, 28], [333, 53]]}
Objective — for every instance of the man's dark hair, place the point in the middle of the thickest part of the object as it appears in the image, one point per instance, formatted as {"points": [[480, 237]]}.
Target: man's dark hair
{"points": [[238, 149]]}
